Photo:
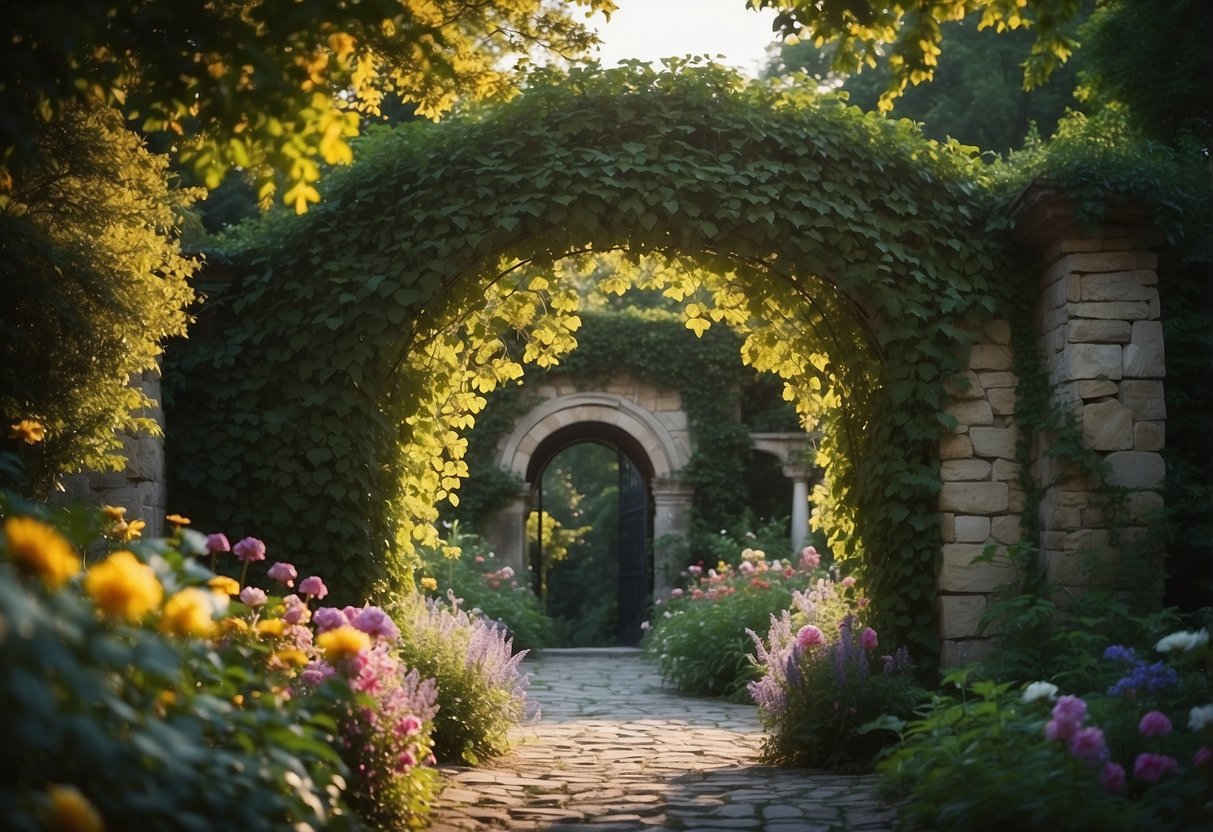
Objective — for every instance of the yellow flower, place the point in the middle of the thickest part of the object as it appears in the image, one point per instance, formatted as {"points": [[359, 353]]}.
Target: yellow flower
{"points": [[114, 513], [231, 625], [188, 613], [342, 643], [223, 584], [178, 520], [126, 532], [70, 811], [41, 550], [122, 587], [28, 431], [270, 626], [429, 583], [287, 658]]}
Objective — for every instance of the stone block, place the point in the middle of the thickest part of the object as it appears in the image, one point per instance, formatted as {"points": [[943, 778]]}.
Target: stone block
{"points": [[994, 442], [976, 412], [958, 573], [1110, 310], [1114, 286], [992, 380], [1091, 361], [971, 529], [1006, 529], [1091, 331], [1096, 388], [1107, 426], [1147, 277], [1002, 400], [1143, 356], [947, 527], [1102, 261], [974, 497], [960, 615], [965, 651], [955, 447], [1144, 506], [1136, 469], [1004, 470], [964, 470], [999, 332], [1017, 501], [990, 357], [1149, 436], [964, 386], [1144, 398]]}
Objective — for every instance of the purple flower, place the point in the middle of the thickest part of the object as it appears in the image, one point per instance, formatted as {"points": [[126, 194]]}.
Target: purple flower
{"points": [[377, 623], [249, 549], [216, 543], [1150, 767], [1144, 678], [296, 610], [867, 639], [1120, 653], [1070, 709], [1112, 778], [328, 618], [1057, 730], [283, 573], [1088, 745], [1154, 724], [1202, 756], [314, 587], [317, 672], [251, 596]]}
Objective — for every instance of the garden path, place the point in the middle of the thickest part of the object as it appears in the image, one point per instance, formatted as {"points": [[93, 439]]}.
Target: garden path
{"points": [[613, 751]]}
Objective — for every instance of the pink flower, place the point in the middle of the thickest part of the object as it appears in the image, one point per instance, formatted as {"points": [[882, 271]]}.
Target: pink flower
{"points": [[296, 610], [675, 592], [478, 559], [314, 587], [283, 573], [1150, 767], [695, 570], [867, 639], [251, 596], [809, 559], [407, 760], [746, 568], [1202, 756], [1112, 778], [409, 726], [216, 543], [644, 625], [1154, 724], [1070, 709], [809, 636], [1088, 745], [376, 623], [848, 582], [788, 571], [249, 549]]}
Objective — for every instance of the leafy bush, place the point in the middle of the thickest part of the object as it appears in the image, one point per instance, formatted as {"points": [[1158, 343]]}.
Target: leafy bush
{"points": [[467, 567], [995, 756], [481, 693], [699, 640]]}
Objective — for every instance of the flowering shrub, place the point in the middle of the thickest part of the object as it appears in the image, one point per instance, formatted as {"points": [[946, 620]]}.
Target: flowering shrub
{"points": [[467, 566], [481, 692], [818, 686], [1135, 755], [698, 634]]}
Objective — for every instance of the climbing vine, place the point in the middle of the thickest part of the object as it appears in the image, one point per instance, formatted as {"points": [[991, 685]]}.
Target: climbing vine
{"points": [[358, 343]]}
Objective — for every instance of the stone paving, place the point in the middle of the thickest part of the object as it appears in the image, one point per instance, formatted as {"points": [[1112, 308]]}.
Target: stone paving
{"points": [[613, 751]]}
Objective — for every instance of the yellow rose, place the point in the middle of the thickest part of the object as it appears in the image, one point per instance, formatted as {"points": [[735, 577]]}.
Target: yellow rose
{"points": [[429, 584], [188, 613], [224, 585], [41, 550], [270, 626], [122, 587], [70, 811], [29, 431], [342, 643]]}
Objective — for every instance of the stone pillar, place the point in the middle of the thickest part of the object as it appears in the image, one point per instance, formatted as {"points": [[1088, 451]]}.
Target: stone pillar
{"points": [[507, 536], [671, 517], [799, 475]]}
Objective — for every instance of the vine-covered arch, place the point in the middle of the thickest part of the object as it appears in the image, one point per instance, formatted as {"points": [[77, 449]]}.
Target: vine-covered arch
{"points": [[358, 342]]}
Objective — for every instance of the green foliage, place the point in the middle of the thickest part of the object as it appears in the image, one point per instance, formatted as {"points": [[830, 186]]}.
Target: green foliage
{"points": [[359, 341], [481, 694], [274, 88], [92, 283], [485, 585]]}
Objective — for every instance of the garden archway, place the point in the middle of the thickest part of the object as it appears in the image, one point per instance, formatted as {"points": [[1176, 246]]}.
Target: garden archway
{"points": [[360, 338]]}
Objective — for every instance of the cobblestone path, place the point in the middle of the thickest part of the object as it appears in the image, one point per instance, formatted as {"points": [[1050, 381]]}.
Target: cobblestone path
{"points": [[614, 751]]}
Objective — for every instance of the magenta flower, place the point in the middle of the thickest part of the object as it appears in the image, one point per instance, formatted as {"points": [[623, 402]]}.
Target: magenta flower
{"points": [[313, 587], [867, 639], [1202, 757], [1070, 709], [1088, 745], [284, 573], [216, 543], [809, 636], [407, 760], [1150, 767], [251, 596], [1112, 778], [329, 618], [249, 549], [376, 623], [1154, 724]]}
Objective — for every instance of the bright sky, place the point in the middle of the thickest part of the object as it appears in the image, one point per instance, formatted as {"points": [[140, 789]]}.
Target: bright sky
{"points": [[655, 29]]}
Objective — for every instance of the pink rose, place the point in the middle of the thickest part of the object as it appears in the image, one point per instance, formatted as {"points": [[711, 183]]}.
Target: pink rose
{"points": [[216, 543], [848, 582], [283, 573], [809, 636], [249, 549], [251, 596], [314, 587], [809, 559]]}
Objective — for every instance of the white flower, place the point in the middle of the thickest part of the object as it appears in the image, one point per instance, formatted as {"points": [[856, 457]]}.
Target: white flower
{"points": [[1198, 718], [193, 543], [666, 614], [1040, 690], [1184, 641], [644, 625]]}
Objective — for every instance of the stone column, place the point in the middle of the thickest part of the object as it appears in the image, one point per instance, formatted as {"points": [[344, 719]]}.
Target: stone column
{"points": [[507, 536], [799, 475], [671, 517]]}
